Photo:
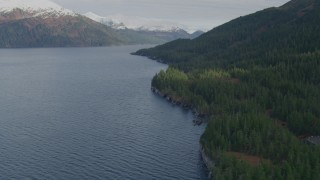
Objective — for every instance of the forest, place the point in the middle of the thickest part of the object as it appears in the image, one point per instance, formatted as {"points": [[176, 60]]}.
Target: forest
{"points": [[258, 79]]}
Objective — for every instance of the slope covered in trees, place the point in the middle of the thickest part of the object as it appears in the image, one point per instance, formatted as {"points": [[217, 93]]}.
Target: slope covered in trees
{"points": [[292, 28], [258, 78]]}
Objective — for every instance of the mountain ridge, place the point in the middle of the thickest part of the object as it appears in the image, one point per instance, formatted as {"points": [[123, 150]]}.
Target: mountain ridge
{"points": [[257, 79], [42, 23], [36, 8], [244, 32], [138, 23], [137, 29]]}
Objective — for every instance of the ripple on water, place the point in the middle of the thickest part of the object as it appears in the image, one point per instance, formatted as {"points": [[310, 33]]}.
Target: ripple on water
{"points": [[67, 115]]}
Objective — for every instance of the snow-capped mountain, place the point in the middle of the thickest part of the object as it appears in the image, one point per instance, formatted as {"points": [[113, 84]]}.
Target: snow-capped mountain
{"points": [[43, 23], [136, 23], [105, 20], [35, 8], [147, 30]]}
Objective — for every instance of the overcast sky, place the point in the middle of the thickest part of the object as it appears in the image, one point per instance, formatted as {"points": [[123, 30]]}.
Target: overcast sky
{"points": [[197, 14]]}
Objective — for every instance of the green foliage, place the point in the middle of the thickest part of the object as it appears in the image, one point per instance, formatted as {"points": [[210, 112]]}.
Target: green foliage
{"points": [[258, 77]]}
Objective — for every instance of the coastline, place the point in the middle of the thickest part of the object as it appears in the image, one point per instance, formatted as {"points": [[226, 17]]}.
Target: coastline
{"points": [[199, 118], [207, 160], [198, 121]]}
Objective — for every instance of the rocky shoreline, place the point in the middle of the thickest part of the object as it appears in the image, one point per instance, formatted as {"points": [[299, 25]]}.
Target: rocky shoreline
{"points": [[200, 118], [206, 160]]}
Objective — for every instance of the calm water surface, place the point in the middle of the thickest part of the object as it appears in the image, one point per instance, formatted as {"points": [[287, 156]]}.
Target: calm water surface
{"points": [[88, 113]]}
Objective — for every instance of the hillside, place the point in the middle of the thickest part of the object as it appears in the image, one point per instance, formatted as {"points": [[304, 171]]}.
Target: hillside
{"points": [[292, 27], [42, 23], [56, 32], [257, 79]]}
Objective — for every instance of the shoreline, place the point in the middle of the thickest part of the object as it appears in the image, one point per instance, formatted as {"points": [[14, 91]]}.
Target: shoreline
{"points": [[207, 160], [198, 121], [199, 118]]}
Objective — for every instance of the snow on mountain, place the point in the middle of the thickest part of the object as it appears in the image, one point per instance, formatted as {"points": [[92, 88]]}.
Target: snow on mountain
{"points": [[136, 23], [38, 8], [105, 20]]}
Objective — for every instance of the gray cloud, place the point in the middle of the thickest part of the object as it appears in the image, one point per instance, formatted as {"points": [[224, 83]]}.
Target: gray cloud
{"points": [[199, 14]]}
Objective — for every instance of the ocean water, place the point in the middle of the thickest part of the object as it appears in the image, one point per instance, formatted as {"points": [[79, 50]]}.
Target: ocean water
{"points": [[88, 113]]}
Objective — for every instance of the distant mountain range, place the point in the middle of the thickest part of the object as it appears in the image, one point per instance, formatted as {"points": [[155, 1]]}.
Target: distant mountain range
{"points": [[43, 23], [137, 23], [150, 30]]}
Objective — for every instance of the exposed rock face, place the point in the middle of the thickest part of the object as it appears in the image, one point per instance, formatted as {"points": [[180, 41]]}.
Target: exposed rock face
{"points": [[315, 140]]}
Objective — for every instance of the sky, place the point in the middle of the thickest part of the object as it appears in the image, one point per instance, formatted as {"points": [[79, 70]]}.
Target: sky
{"points": [[195, 14]]}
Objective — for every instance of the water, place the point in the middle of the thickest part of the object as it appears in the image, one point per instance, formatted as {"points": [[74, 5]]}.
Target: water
{"points": [[88, 113]]}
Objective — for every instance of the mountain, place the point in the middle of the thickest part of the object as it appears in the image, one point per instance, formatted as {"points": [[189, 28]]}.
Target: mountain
{"points": [[256, 80], [136, 23], [293, 26], [196, 34], [43, 23], [137, 29], [35, 8]]}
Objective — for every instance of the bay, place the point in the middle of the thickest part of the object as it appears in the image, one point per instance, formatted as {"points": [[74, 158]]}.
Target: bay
{"points": [[88, 113]]}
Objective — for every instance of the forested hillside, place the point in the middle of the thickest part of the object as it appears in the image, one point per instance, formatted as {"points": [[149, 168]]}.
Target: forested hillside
{"points": [[258, 78]]}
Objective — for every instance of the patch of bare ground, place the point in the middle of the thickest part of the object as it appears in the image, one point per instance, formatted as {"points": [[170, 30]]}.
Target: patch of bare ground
{"points": [[252, 160], [234, 80]]}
